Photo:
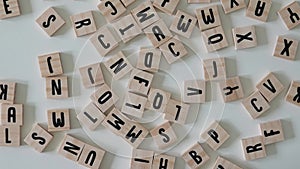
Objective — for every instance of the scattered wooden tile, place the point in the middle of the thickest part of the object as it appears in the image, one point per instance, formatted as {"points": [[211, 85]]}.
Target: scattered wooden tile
{"points": [[50, 21], [215, 135], [57, 87], [145, 14], [134, 105], [194, 91], [104, 41], [183, 24], [9, 8], [118, 65], [208, 17], [7, 92], [198, 1], [135, 133], [195, 156], [232, 5], [158, 100], [115, 121], [270, 87], [91, 75], [127, 28], [149, 59], [91, 157], [126, 3], [83, 23], [176, 112], [38, 138], [166, 6], [104, 98], [11, 114], [286, 48], [222, 163], [244, 37], [140, 82], [254, 148], [231, 89], [71, 148], [173, 50], [272, 132], [10, 136], [141, 159], [214, 69], [293, 95], [256, 104], [158, 33], [163, 135], [290, 15], [50, 65], [58, 120], [111, 9], [91, 116], [161, 161], [214, 39], [259, 9]]}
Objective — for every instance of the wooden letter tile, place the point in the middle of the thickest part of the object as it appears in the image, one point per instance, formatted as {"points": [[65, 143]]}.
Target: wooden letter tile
{"points": [[183, 24], [10, 135], [256, 104], [166, 6], [259, 9], [194, 91], [214, 39], [208, 17], [11, 114], [244, 37], [290, 15], [135, 133], [115, 121], [134, 105], [91, 75], [161, 161], [91, 157], [38, 138], [254, 148], [111, 9], [7, 92], [141, 159], [270, 87], [145, 14], [50, 21], [58, 120], [57, 87], [158, 100], [286, 48], [195, 156], [9, 8], [232, 5], [231, 89], [272, 132], [83, 23], [176, 112], [214, 69], [163, 135], [198, 1], [71, 148], [149, 59], [293, 95], [215, 135], [222, 163], [140, 82], [50, 65]]}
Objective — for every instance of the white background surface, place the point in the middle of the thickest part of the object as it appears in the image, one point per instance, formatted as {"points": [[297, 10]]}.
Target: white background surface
{"points": [[21, 41]]}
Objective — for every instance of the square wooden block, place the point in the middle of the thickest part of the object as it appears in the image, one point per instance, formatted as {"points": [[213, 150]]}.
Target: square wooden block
{"points": [[163, 135], [256, 104], [11, 114], [115, 121], [135, 133], [10, 136], [254, 148], [134, 105], [71, 148], [57, 87], [290, 15], [7, 92], [50, 64], [259, 9], [198, 1], [50, 21], [161, 161], [293, 95], [104, 41], [286, 48], [176, 111], [38, 138], [195, 156], [126, 3], [272, 132], [145, 14], [118, 65], [194, 91], [91, 116], [83, 23], [173, 50], [141, 159], [270, 87], [231, 89], [215, 135], [91, 75], [91, 157], [166, 6], [158, 100], [232, 5], [214, 39], [9, 8], [140, 82], [104, 98], [158, 33], [183, 24], [58, 120], [149, 59], [208, 17], [244, 37], [111, 9], [214, 69], [222, 163]]}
